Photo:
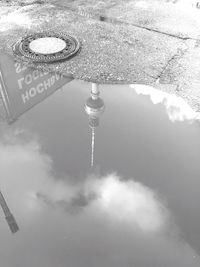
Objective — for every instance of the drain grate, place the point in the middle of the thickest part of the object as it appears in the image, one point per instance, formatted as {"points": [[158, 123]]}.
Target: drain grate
{"points": [[47, 47]]}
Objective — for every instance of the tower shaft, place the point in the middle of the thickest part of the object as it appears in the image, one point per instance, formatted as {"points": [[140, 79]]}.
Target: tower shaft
{"points": [[95, 90]]}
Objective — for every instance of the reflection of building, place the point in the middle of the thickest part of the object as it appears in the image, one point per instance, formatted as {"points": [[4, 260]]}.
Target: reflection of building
{"points": [[9, 217], [94, 107]]}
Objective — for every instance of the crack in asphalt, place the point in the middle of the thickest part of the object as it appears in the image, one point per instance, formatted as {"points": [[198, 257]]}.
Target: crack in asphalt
{"points": [[178, 54], [103, 18], [116, 21]]}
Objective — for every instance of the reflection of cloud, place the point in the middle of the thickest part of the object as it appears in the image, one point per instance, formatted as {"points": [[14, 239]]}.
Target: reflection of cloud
{"points": [[131, 202], [123, 201], [142, 4], [23, 168], [177, 109], [90, 239], [14, 18], [186, 4], [72, 205]]}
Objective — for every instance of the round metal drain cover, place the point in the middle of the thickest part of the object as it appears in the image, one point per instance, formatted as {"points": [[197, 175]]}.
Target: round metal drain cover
{"points": [[47, 47]]}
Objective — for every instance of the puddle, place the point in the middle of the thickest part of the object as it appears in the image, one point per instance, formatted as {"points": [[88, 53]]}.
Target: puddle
{"points": [[108, 177], [133, 197]]}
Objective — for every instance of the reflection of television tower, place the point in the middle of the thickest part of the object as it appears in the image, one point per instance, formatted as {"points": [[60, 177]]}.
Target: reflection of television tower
{"points": [[9, 217], [94, 107]]}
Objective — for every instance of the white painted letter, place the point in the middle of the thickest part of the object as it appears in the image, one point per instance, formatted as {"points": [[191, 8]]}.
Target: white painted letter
{"points": [[25, 97], [20, 82], [32, 92], [47, 84], [40, 88], [28, 78]]}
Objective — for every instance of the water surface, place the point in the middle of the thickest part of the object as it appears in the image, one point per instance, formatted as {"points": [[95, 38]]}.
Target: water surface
{"points": [[137, 206]]}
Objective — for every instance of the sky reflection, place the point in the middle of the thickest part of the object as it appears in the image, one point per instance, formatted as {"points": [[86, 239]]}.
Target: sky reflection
{"points": [[177, 109], [15, 18], [131, 210]]}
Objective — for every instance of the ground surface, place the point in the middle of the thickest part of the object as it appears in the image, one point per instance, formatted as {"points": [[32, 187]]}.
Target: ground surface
{"points": [[148, 42]]}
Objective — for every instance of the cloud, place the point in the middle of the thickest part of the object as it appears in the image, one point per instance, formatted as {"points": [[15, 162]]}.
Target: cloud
{"points": [[177, 109]]}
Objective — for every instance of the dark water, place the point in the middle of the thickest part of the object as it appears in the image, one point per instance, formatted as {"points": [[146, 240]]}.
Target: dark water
{"points": [[137, 206]]}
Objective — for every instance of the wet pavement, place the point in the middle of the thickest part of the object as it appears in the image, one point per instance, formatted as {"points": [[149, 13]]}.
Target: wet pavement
{"points": [[109, 53], [121, 188], [131, 42]]}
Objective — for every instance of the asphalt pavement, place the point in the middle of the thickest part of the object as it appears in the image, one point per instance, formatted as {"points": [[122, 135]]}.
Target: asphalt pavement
{"points": [[147, 42]]}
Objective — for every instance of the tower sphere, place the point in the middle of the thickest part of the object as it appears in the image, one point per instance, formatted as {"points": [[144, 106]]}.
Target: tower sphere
{"points": [[94, 107]]}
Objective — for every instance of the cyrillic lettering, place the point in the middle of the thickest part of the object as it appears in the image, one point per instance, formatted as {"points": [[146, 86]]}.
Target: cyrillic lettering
{"points": [[40, 88], [28, 78], [25, 97], [35, 74], [47, 84], [32, 92], [20, 82]]}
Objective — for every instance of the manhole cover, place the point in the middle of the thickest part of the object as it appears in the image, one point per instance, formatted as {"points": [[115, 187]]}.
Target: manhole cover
{"points": [[47, 47]]}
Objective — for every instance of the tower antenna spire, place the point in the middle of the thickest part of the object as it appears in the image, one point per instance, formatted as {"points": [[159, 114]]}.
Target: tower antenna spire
{"points": [[93, 140]]}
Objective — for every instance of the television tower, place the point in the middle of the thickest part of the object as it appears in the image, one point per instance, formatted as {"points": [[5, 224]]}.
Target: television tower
{"points": [[94, 107], [8, 215]]}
